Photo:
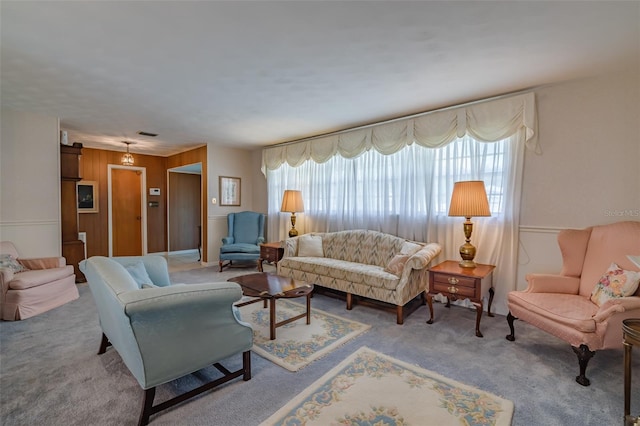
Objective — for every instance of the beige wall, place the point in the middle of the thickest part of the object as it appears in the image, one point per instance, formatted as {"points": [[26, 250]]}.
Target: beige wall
{"points": [[30, 183], [589, 133], [588, 172], [235, 163]]}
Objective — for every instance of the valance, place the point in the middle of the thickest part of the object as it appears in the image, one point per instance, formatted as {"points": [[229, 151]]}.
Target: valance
{"points": [[487, 121]]}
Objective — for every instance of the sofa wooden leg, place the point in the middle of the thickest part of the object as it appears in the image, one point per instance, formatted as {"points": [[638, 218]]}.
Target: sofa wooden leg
{"points": [[584, 355], [147, 405], [246, 365], [104, 344], [510, 318], [399, 316], [349, 301]]}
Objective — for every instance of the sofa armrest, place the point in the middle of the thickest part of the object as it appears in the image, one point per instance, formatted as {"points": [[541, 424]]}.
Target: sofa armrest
{"points": [[160, 298], [613, 306], [43, 262], [546, 283], [6, 275], [422, 258], [419, 260]]}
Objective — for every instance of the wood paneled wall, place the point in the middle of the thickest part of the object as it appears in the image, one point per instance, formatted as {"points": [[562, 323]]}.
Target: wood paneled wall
{"points": [[94, 166]]}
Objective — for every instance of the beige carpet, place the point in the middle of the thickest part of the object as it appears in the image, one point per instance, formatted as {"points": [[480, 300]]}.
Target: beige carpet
{"points": [[298, 344], [369, 388]]}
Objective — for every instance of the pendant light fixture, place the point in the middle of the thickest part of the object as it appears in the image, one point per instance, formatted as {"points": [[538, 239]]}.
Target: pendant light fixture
{"points": [[127, 158]]}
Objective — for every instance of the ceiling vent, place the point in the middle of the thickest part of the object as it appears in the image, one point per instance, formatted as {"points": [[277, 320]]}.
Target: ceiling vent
{"points": [[153, 135]]}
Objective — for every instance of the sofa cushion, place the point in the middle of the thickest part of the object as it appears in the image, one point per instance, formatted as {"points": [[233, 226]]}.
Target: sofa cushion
{"points": [[357, 273], [615, 283], [8, 261], [240, 248], [139, 273], [410, 248], [37, 277], [362, 246], [569, 309], [396, 265], [310, 245]]}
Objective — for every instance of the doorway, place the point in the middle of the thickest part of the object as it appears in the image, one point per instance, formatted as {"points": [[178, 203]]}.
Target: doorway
{"points": [[184, 222], [127, 212]]}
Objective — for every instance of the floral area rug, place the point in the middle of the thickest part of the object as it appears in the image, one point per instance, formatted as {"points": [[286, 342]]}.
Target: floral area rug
{"points": [[369, 388], [298, 344]]}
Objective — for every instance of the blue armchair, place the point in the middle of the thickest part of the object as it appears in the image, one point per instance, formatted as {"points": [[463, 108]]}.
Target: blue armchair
{"points": [[245, 234], [163, 331]]}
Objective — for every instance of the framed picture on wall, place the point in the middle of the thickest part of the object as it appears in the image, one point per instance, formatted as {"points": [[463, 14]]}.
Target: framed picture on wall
{"points": [[87, 196], [229, 191]]}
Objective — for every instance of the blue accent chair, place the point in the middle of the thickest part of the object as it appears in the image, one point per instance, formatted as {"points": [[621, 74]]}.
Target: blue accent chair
{"points": [[245, 234], [163, 332]]}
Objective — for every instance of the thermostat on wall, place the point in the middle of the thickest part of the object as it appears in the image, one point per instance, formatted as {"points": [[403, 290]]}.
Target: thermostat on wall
{"points": [[154, 191]]}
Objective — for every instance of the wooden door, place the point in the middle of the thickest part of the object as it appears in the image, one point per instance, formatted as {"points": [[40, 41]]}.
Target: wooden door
{"points": [[184, 211], [126, 212]]}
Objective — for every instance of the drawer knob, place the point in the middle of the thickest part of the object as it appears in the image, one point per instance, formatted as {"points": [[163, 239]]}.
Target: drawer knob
{"points": [[453, 289], [453, 280]]}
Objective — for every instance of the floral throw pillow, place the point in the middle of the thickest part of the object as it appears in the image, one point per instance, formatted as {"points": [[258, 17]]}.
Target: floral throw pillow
{"points": [[6, 261], [615, 283], [396, 264]]}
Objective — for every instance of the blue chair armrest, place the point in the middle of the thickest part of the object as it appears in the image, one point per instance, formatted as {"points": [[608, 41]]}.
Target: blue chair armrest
{"points": [[228, 240]]}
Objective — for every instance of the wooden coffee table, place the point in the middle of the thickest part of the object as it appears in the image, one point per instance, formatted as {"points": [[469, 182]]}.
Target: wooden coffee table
{"points": [[267, 286]]}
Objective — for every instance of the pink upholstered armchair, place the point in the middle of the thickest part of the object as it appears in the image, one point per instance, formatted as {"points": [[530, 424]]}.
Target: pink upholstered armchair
{"points": [[563, 305], [30, 287]]}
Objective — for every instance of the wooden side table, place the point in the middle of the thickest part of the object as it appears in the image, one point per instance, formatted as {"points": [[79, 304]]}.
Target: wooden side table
{"points": [[271, 252], [456, 282]]}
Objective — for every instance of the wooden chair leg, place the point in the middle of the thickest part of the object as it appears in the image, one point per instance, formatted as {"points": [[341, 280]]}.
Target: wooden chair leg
{"points": [[148, 409], [584, 355], [246, 365], [104, 344], [147, 405], [510, 318]]}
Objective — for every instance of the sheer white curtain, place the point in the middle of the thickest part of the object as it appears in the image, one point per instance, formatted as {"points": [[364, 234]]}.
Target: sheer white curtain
{"points": [[407, 194]]}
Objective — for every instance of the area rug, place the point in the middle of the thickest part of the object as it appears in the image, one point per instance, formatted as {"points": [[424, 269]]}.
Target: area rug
{"points": [[298, 344], [369, 388]]}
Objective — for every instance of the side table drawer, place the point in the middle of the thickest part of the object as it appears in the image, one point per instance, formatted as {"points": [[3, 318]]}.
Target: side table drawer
{"points": [[458, 290], [449, 280]]}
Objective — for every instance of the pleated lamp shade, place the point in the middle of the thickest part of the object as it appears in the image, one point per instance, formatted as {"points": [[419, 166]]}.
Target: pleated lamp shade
{"points": [[292, 202], [469, 199]]}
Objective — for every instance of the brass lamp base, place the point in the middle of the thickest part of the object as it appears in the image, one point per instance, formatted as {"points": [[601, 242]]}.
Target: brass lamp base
{"points": [[467, 253], [467, 250], [293, 232]]}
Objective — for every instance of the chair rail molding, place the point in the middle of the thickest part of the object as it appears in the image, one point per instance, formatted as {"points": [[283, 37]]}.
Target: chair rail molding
{"points": [[34, 238]]}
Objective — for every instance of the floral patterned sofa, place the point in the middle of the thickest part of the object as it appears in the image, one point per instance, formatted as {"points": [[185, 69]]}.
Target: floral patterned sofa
{"points": [[366, 263]]}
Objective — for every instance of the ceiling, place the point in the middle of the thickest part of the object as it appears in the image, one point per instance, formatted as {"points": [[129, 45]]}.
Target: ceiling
{"points": [[249, 74]]}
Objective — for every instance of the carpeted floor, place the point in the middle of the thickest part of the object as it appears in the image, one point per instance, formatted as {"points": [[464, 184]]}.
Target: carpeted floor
{"points": [[50, 373]]}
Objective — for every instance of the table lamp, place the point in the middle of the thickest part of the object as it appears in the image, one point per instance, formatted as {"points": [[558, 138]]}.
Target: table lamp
{"points": [[292, 203], [469, 199]]}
